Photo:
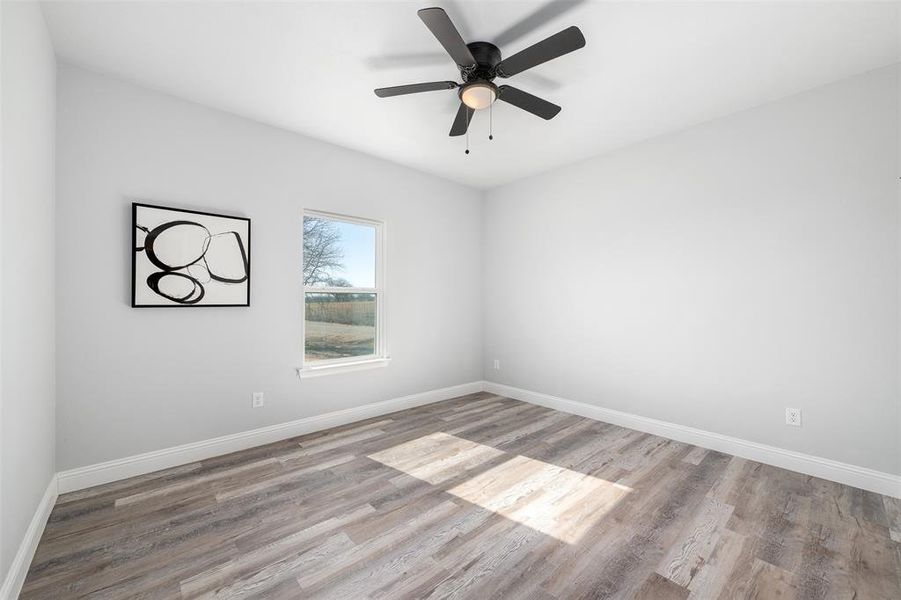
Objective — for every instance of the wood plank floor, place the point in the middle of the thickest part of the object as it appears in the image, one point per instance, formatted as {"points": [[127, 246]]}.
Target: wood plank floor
{"points": [[477, 497]]}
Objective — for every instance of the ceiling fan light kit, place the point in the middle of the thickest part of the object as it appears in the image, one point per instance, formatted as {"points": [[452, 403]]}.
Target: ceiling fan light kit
{"points": [[478, 95], [480, 63]]}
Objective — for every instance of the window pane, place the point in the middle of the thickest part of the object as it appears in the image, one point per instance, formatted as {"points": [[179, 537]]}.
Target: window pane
{"points": [[339, 325], [338, 254]]}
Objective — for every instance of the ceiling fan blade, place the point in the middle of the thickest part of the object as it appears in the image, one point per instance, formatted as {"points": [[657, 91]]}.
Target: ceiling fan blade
{"points": [[443, 28], [557, 45], [527, 102], [415, 88], [462, 120], [534, 20]]}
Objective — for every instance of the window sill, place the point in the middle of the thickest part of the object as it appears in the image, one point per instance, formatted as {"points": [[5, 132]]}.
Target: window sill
{"points": [[334, 369]]}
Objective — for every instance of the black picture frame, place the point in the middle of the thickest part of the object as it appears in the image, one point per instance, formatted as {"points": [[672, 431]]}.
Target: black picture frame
{"points": [[136, 250]]}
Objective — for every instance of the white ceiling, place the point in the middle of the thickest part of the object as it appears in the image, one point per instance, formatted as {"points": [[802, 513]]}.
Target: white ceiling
{"points": [[648, 68]]}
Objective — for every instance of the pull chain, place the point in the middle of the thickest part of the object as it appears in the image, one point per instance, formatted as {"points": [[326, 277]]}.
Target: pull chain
{"points": [[490, 120], [467, 131]]}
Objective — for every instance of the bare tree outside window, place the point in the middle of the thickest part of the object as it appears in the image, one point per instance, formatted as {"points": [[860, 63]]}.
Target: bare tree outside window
{"points": [[322, 254]]}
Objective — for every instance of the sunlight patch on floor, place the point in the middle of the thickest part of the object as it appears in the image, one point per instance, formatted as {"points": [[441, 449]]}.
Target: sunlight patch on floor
{"points": [[551, 499]]}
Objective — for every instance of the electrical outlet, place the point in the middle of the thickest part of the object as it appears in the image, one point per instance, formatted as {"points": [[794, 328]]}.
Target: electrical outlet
{"points": [[497, 365], [793, 417], [258, 400]]}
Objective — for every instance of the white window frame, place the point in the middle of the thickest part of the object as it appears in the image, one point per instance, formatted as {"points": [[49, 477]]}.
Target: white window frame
{"points": [[380, 357]]}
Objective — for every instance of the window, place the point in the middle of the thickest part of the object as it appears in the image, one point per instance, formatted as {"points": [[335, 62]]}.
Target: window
{"points": [[343, 296]]}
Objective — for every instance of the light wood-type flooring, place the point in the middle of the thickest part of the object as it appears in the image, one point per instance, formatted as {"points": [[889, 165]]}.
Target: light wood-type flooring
{"points": [[478, 497]]}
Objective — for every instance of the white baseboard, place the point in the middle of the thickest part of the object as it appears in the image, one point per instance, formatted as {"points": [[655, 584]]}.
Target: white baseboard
{"points": [[860, 477], [15, 577], [141, 464]]}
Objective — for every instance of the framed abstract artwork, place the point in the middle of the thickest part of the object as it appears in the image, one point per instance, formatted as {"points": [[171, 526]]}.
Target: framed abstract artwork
{"points": [[188, 258]]}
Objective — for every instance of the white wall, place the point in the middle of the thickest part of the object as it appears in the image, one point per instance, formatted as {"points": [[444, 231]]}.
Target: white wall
{"points": [[710, 278], [26, 246], [135, 380], [715, 276]]}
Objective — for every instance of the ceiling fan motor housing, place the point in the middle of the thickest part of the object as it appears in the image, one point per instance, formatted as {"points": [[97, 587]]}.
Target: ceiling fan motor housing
{"points": [[487, 57]]}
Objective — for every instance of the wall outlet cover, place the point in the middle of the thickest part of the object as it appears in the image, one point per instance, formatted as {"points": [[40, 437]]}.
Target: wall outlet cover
{"points": [[793, 417], [258, 400]]}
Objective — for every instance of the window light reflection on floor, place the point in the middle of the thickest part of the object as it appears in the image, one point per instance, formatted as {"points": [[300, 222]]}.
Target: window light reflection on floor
{"points": [[551, 499]]}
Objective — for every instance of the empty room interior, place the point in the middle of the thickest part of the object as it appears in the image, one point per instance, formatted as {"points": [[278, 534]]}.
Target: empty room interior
{"points": [[545, 300]]}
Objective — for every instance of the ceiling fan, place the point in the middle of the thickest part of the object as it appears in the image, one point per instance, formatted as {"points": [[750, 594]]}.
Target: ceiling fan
{"points": [[480, 63]]}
